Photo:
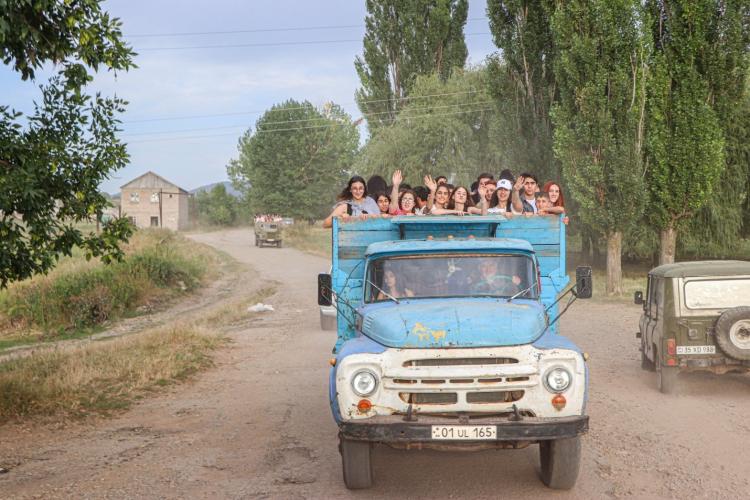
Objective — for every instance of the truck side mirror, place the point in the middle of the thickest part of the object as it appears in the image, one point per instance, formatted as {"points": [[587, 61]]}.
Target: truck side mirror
{"points": [[324, 289], [638, 298], [584, 282]]}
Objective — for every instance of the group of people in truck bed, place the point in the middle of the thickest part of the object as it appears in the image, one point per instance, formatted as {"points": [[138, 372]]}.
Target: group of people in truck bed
{"points": [[508, 195]]}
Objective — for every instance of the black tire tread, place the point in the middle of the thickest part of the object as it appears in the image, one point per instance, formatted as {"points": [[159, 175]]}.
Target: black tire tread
{"points": [[560, 462], [356, 464], [723, 324]]}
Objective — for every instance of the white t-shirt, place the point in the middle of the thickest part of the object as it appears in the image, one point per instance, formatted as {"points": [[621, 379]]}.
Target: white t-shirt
{"points": [[532, 202]]}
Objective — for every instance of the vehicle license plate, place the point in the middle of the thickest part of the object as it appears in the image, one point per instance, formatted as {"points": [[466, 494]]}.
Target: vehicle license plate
{"points": [[464, 432], [696, 349]]}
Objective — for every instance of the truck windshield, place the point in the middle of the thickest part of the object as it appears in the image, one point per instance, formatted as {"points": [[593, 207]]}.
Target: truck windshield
{"points": [[430, 276]]}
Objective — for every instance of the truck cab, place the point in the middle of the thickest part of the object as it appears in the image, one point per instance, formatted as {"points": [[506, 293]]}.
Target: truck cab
{"points": [[447, 339]]}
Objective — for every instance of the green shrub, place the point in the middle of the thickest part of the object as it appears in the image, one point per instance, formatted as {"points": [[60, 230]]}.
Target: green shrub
{"points": [[157, 263]]}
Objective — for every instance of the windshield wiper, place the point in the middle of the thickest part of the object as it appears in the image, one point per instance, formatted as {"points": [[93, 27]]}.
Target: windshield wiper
{"points": [[394, 299], [522, 292]]}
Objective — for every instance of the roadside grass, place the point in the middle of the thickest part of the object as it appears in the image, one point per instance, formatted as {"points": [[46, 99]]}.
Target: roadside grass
{"points": [[311, 239], [103, 377], [78, 296], [100, 378]]}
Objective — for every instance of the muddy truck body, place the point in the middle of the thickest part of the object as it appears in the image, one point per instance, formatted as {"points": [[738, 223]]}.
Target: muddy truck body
{"points": [[447, 339]]}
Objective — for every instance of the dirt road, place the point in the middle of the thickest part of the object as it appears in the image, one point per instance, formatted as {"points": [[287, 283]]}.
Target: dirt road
{"points": [[258, 425]]}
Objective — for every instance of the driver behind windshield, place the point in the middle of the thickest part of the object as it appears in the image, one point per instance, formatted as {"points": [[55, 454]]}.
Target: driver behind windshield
{"points": [[493, 282]]}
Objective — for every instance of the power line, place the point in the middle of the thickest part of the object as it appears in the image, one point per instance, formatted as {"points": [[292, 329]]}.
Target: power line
{"points": [[262, 30], [371, 101], [268, 44], [419, 108], [429, 115]]}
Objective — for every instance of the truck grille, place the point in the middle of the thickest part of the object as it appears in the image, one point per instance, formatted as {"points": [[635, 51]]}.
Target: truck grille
{"points": [[429, 398], [459, 362]]}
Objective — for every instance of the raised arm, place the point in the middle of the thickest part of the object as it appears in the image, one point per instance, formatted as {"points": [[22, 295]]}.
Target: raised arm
{"points": [[515, 196], [396, 179], [432, 186]]}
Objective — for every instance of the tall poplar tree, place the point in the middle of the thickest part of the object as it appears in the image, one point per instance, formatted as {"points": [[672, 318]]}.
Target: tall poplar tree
{"points": [[599, 121], [523, 81], [685, 139], [404, 39]]}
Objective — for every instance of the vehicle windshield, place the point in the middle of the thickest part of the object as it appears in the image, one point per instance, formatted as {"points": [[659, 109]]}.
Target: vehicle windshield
{"points": [[470, 275], [717, 294]]}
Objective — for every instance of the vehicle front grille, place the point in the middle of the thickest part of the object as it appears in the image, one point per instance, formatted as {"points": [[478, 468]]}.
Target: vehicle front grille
{"points": [[494, 397], [429, 398], [459, 362]]}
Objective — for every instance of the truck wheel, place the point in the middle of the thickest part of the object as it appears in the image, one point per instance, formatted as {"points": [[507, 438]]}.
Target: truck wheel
{"points": [[560, 460], [278, 244], [327, 323], [733, 333], [355, 458], [666, 377]]}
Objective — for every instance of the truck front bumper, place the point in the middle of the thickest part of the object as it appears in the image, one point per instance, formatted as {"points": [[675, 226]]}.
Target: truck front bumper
{"points": [[393, 429]]}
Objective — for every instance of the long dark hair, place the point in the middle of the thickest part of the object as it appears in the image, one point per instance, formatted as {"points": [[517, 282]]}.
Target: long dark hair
{"points": [[452, 202], [346, 194], [495, 201]]}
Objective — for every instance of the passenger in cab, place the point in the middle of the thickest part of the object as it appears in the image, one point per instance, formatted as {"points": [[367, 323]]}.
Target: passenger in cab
{"points": [[392, 287], [353, 202]]}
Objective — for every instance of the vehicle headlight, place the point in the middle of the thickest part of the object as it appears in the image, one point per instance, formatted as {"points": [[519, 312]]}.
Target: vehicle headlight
{"points": [[364, 383], [557, 379]]}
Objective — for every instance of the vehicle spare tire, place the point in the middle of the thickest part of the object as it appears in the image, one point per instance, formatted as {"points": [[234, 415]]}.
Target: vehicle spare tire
{"points": [[733, 333]]}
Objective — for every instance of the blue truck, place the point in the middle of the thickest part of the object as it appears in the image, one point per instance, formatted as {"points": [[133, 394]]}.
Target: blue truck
{"points": [[447, 338]]}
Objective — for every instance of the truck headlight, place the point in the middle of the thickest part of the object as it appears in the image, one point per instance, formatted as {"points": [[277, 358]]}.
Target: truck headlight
{"points": [[557, 379], [364, 383]]}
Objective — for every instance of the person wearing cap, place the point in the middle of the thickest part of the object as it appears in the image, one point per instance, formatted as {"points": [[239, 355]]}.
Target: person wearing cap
{"points": [[501, 199]]}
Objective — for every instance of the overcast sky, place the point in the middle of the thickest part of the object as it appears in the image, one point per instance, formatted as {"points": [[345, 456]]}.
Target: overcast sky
{"points": [[175, 85]]}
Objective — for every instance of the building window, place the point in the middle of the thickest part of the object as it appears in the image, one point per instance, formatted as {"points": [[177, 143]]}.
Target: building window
{"points": [[154, 197], [154, 222], [135, 197], [131, 219]]}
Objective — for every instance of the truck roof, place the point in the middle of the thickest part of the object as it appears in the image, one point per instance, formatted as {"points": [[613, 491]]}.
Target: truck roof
{"points": [[703, 268], [448, 245]]}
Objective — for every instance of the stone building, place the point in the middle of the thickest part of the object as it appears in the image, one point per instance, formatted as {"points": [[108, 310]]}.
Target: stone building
{"points": [[152, 201]]}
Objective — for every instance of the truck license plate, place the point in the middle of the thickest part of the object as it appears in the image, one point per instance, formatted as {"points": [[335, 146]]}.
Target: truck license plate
{"points": [[696, 349], [464, 432]]}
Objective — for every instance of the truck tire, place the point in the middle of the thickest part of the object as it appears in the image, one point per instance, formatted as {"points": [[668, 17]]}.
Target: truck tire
{"points": [[357, 467], [733, 333], [327, 323], [560, 460], [666, 376], [278, 244]]}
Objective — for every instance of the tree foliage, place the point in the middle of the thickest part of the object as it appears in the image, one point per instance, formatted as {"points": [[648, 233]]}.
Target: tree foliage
{"points": [[294, 159], [453, 134], [685, 139], [599, 121], [523, 81], [217, 207], [404, 39], [52, 162]]}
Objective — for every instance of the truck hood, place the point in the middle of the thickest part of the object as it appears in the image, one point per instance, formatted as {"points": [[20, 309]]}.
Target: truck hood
{"points": [[473, 322]]}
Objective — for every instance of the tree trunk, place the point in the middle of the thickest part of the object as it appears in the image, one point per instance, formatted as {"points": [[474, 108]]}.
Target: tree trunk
{"points": [[614, 263], [668, 245]]}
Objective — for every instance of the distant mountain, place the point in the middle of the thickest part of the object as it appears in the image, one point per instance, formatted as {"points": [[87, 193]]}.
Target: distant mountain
{"points": [[228, 185]]}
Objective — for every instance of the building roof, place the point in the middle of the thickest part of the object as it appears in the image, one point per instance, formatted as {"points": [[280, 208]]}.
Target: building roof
{"points": [[150, 180], [703, 268], [449, 245]]}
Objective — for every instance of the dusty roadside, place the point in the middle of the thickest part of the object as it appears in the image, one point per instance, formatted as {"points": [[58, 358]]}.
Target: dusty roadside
{"points": [[258, 424]]}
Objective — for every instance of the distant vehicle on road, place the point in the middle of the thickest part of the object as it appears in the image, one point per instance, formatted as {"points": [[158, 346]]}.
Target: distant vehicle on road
{"points": [[268, 233], [696, 316], [288, 221]]}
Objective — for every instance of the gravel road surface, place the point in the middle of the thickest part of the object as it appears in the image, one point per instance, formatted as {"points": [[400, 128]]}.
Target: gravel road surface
{"points": [[258, 425]]}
